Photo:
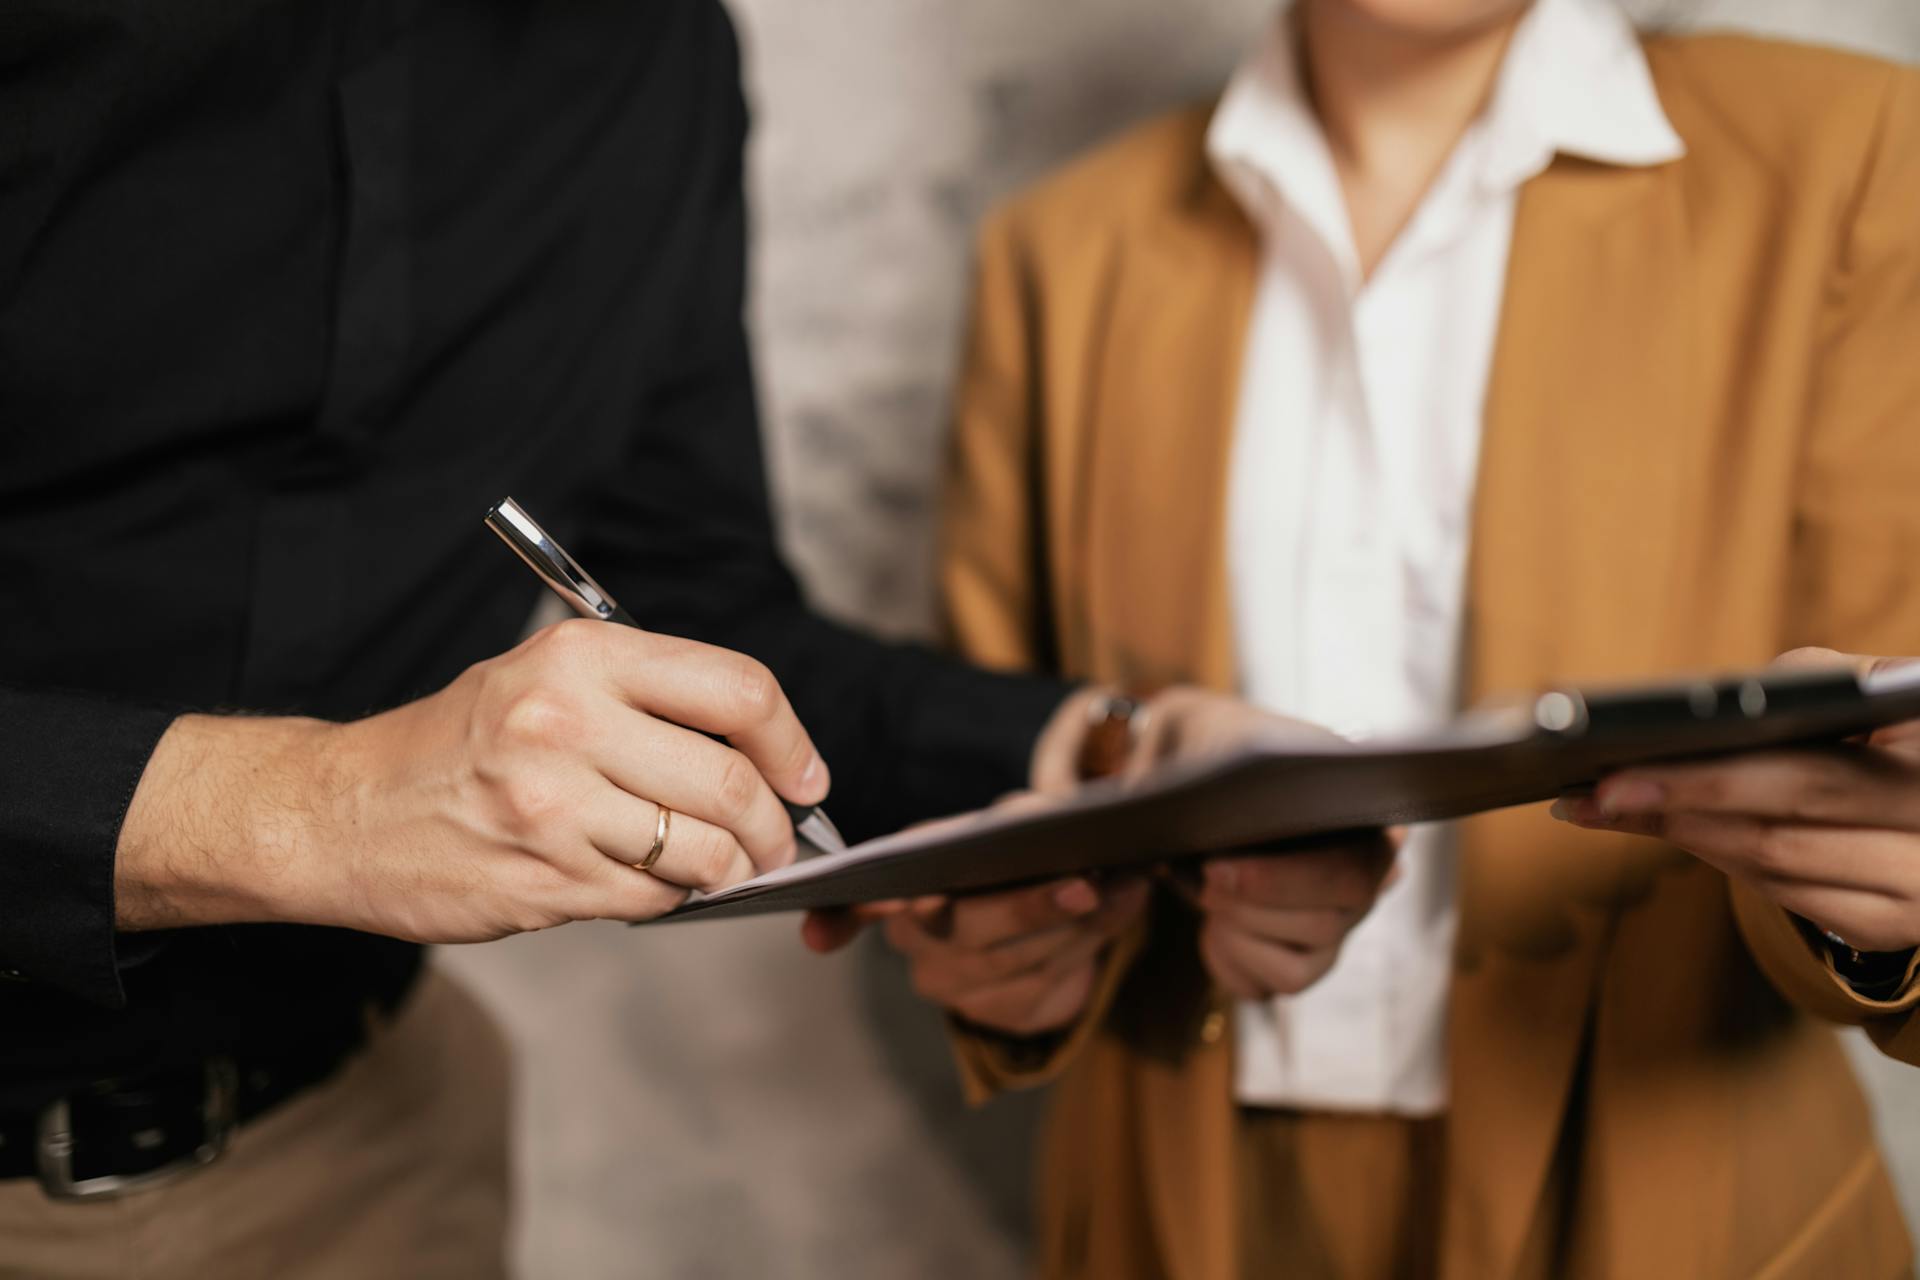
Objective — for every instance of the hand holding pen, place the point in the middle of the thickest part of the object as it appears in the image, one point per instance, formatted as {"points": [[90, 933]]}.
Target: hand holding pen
{"points": [[573, 778], [564, 576], [591, 772]]}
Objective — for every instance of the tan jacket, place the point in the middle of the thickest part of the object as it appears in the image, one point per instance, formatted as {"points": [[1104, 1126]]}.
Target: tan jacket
{"points": [[1702, 447]]}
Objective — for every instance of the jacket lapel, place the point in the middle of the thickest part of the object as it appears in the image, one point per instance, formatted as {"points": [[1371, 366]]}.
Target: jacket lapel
{"points": [[1156, 445], [1573, 570]]}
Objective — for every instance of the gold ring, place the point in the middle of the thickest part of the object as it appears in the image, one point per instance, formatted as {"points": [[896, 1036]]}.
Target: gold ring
{"points": [[660, 829]]}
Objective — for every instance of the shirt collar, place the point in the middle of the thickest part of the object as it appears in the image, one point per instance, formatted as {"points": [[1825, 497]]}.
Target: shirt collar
{"points": [[1574, 80]]}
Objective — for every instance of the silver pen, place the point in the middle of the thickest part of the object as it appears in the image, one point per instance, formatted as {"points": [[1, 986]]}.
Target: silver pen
{"points": [[563, 574]]}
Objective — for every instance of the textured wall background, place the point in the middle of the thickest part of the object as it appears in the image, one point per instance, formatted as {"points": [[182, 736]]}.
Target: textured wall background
{"points": [[709, 1101]]}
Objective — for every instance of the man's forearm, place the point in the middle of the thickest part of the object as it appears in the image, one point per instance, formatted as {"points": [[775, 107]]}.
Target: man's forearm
{"points": [[539, 787], [218, 830]]}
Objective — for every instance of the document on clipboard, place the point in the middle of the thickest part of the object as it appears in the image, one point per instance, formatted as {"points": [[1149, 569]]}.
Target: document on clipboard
{"points": [[1279, 790]]}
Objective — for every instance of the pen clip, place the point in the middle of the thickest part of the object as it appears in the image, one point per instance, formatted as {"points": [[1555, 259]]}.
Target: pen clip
{"points": [[550, 560]]}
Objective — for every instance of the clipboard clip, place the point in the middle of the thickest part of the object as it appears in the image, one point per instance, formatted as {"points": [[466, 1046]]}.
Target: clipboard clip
{"points": [[1568, 712]]}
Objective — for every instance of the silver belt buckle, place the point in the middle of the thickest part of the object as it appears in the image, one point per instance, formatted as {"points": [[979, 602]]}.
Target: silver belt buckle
{"points": [[54, 1143]]}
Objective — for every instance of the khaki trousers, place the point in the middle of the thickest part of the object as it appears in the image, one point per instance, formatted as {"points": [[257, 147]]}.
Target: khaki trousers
{"points": [[1338, 1197], [396, 1166]]}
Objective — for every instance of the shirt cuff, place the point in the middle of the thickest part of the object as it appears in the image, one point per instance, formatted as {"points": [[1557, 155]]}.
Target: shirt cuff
{"points": [[69, 764]]}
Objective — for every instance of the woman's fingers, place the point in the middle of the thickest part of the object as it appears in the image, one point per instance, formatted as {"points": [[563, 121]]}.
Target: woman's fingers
{"points": [[1188, 723], [992, 918], [1226, 967], [1305, 927], [1020, 961], [825, 931], [1844, 785], [1863, 884], [1907, 732], [1009, 921], [1777, 853], [1252, 967], [959, 977], [1345, 876], [1031, 1005], [1876, 785], [1055, 768], [1156, 731], [1275, 922]]}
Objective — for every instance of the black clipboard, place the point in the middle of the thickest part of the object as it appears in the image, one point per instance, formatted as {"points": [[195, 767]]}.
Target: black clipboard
{"points": [[1283, 790]]}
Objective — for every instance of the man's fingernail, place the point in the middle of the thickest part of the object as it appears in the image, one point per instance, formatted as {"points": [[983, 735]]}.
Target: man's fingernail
{"points": [[1076, 896], [815, 780], [1630, 795], [1561, 810]]}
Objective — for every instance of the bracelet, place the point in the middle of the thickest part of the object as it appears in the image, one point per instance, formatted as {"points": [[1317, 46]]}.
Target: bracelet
{"points": [[1877, 975]]}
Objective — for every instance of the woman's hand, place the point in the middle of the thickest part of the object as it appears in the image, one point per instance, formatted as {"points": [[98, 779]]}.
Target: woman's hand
{"points": [[1274, 923], [1025, 962], [520, 796], [1022, 962], [1830, 833], [1179, 723], [1009, 960]]}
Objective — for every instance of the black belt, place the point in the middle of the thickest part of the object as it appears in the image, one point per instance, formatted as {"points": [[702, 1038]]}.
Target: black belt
{"points": [[113, 1136]]}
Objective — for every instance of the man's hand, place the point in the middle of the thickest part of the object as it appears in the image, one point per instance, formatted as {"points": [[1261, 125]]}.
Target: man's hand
{"points": [[518, 797], [1830, 833], [1021, 962]]}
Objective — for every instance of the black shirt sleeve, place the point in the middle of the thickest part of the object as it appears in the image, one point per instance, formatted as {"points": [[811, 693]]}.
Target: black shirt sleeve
{"points": [[688, 542], [68, 768]]}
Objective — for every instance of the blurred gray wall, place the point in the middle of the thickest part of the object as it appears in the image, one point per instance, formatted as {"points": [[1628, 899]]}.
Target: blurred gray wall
{"points": [[709, 1100]]}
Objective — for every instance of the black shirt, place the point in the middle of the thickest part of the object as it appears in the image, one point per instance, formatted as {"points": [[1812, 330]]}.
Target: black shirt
{"points": [[289, 293]]}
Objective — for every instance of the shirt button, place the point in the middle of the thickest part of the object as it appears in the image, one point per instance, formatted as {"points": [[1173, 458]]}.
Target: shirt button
{"points": [[1213, 1027]]}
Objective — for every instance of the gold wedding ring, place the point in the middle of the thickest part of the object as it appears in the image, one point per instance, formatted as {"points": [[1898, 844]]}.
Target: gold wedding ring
{"points": [[660, 829]]}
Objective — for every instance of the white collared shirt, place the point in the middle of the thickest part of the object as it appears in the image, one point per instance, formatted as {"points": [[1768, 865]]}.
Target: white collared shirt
{"points": [[1356, 445]]}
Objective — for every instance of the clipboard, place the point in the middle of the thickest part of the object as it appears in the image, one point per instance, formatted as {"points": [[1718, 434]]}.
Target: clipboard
{"points": [[1283, 790]]}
